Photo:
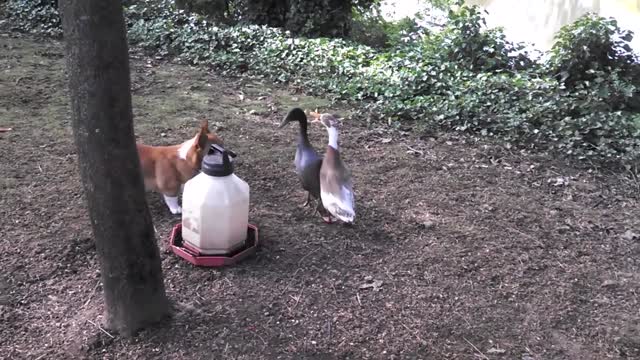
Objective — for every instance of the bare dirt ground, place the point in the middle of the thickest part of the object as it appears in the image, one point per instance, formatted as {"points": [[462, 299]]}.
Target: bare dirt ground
{"points": [[476, 251]]}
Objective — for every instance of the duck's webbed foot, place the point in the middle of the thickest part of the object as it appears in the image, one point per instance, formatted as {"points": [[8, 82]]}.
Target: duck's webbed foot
{"points": [[326, 216]]}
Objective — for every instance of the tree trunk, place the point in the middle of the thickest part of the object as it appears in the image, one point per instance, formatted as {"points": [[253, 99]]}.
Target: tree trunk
{"points": [[312, 18], [216, 10], [99, 83], [272, 13], [320, 18]]}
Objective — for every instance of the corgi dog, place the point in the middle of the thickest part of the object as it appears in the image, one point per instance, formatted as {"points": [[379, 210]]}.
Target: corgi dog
{"points": [[165, 169]]}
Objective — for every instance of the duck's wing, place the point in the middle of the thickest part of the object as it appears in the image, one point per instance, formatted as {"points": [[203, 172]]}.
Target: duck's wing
{"points": [[310, 176], [336, 191], [306, 155], [307, 164]]}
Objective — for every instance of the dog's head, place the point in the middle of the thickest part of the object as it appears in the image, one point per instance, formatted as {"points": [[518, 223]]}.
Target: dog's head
{"points": [[201, 143]]}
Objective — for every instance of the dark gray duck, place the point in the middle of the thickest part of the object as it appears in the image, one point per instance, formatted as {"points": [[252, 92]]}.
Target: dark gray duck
{"points": [[307, 161], [336, 185]]}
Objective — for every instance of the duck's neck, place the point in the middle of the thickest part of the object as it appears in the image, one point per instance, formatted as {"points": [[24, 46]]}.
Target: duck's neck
{"points": [[304, 137], [333, 137]]}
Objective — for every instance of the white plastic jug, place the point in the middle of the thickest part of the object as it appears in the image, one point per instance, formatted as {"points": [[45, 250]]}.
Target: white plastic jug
{"points": [[215, 206]]}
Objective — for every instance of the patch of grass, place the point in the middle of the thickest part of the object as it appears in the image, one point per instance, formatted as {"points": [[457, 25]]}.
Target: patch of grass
{"points": [[302, 101]]}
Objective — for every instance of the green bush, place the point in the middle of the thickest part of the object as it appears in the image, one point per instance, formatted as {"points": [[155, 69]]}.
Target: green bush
{"points": [[466, 41], [38, 16], [589, 47], [463, 78], [373, 30], [593, 56]]}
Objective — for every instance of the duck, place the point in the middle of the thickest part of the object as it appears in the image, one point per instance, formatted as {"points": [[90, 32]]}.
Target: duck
{"points": [[307, 161], [336, 184]]}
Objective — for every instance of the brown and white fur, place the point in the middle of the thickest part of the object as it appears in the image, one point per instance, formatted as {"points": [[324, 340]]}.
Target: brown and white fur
{"points": [[166, 169]]}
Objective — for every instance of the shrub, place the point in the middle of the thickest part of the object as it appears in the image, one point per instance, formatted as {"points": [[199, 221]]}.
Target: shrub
{"points": [[589, 47], [373, 30], [464, 78], [594, 58], [39, 16], [466, 41]]}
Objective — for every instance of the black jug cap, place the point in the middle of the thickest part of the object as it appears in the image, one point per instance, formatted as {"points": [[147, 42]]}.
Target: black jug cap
{"points": [[217, 162]]}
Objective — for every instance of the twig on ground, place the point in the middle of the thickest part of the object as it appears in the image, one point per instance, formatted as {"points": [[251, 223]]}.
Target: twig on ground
{"points": [[335, 292], [479, 353], [255, 332], [101, 329], [463, 318], [297, 299], [306, 256], [509, 228], [413, 332], [91, 295], [414, 150]]}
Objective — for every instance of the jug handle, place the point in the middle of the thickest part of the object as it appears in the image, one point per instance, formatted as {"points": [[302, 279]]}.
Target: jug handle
{"points": [[223, 150]]}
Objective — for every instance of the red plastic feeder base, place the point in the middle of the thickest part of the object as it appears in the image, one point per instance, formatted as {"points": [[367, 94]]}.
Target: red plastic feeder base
{"points": [[192, 256]]}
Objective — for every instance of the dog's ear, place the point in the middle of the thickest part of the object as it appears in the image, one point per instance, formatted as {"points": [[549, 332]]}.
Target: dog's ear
{"points": [[202, 139], [204, 125]]}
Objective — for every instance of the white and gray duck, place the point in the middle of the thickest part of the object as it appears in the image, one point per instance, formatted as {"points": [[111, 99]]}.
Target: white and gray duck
{"points": [[336, 185], [307, 161]]}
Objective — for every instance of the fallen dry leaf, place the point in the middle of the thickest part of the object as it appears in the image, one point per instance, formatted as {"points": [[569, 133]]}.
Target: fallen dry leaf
{"points": [[375, 285], [629, 235], [496, 351]]}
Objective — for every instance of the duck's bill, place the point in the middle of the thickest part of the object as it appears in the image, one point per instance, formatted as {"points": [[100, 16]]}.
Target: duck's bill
{"points": [[315, 115]]}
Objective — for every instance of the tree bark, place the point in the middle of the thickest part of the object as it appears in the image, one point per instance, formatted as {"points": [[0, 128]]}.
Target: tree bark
{"points": [[320, 18], [214, 9], [102, 119], [272, 13], [312, 18]]}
